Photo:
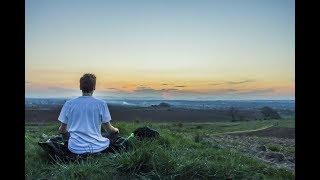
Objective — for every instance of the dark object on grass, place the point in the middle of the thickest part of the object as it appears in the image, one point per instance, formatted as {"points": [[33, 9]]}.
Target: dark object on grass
{"points": [[146, 133], [57, 146]]}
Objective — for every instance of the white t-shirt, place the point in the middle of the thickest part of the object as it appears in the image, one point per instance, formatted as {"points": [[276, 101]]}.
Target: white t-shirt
{"points": [[83, 116]]}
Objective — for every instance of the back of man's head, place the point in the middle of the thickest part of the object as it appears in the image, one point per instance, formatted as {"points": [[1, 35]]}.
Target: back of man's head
{"points": [[88, 83]]}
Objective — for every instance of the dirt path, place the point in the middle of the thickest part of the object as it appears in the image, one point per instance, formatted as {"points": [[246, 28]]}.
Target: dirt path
{"points": [[271, 144], [245, 131], [279, 152]]}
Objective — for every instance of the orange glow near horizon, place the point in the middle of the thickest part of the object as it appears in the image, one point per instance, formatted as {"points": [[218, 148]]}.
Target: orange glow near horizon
{"points": [[131, 83]]}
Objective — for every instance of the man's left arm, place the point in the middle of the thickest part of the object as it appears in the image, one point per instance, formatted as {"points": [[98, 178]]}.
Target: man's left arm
{"points": [[63, 128], [63, 118], [64, 132]]}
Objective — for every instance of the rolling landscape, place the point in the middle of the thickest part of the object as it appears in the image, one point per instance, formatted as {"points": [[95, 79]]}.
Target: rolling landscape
{"points": [[215, 78], [197, 143]]}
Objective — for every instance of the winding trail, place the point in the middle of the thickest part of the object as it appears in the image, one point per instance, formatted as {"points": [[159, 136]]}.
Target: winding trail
{"points": [[245, 131]]}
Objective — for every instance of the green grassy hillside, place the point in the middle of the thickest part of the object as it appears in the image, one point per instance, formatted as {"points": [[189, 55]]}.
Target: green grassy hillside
{"points": [[180, 153]]}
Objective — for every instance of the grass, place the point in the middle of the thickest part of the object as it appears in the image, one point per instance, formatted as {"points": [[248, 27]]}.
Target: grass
{"points": [[281, 149], [217, 127], [273, 147], [172, 156], [289, 123]]}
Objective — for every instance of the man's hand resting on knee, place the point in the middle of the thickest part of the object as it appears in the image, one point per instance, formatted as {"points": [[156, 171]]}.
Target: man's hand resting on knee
{"points": [[109, 128]]}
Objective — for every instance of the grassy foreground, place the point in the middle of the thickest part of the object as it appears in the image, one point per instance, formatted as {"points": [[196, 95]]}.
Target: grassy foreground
{"points": [[173, 156]]}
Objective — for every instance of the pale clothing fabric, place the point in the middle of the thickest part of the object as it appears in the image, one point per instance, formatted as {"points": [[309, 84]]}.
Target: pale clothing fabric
{"points": [[83, 116]]}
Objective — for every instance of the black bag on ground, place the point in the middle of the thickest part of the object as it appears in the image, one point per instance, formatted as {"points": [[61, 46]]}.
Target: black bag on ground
{"points": [[56, 148], [146, 133]]}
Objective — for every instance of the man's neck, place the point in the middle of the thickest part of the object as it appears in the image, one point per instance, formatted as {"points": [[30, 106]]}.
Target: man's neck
{"points": [[87, 94]]}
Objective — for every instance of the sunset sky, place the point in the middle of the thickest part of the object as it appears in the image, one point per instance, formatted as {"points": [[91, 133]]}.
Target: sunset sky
{"points": [[170, 49]]}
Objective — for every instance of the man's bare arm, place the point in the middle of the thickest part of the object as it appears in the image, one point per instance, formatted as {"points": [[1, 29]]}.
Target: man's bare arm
{"points": [[109, 128], [63, 128]]}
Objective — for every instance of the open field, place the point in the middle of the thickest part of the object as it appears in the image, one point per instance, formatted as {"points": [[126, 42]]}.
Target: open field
{"points": [[184, 151], [49, 113], [130, 114]]}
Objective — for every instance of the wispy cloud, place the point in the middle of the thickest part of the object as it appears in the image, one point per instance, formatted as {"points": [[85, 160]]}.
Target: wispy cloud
{"points": [[170, 89], [225, 91], [166, 93], [142, 86], [232, 82], [257, 91], [27, 82], [241, 91], [215, 84], [239, 82], [151, 90], [113, 88], [180, 86], [139, 90], [229, 93]]}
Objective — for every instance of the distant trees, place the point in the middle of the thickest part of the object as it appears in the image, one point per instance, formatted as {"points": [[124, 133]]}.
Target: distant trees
{"points": [[163, 104], [234, 113], [244, 115], [268, 112]]}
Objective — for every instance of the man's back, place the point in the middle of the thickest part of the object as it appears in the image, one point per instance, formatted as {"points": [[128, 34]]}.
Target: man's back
{"points": [[84, 116]]}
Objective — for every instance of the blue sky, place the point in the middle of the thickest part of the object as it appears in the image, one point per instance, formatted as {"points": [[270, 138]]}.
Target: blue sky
{"points": [[134, 47]]}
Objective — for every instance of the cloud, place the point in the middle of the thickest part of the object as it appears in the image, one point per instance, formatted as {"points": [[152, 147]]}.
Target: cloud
{"points": [[189, 93], [113, 89], [163, 93], [27, 82], [170, 89], [257, 91], [233, 82], [241, 92], [174, 93], [215, 84], [143, 86], [180, 86], [224, 91], [228, 93], [142, 89], [239, 82]]}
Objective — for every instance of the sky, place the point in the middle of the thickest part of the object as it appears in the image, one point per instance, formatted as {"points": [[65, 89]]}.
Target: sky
{"points": [[161, 49]]}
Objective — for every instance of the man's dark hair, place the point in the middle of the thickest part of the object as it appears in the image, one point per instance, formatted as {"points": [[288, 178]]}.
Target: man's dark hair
{"points": [[87, 82]]}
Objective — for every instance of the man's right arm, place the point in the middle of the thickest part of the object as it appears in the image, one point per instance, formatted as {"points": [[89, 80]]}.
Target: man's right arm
{"points": [[109, 128]]}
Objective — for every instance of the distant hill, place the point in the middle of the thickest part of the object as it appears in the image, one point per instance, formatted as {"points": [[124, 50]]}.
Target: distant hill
{"points": [[218, 104]]}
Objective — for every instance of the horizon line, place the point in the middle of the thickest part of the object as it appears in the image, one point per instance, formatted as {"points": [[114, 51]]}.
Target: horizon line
{"points": [[136, 98]]}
